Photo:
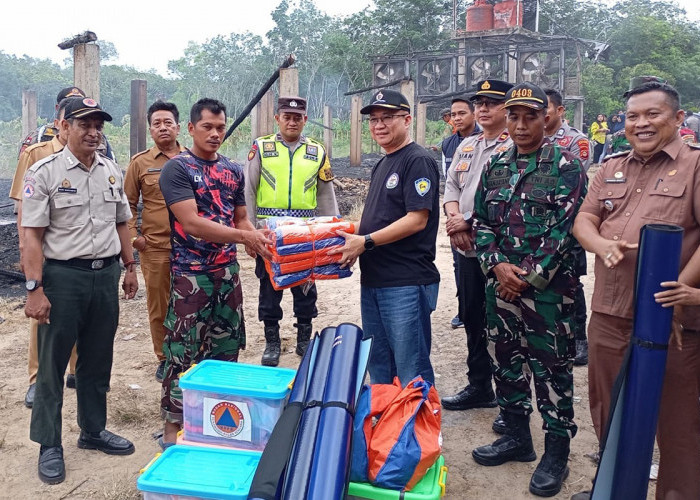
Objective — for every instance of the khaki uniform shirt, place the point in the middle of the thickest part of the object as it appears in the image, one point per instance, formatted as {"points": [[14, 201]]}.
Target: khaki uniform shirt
{"points": [[141, 179], [29, 157], [326, 203], [78, 207], [464, 173], [628, 193]]}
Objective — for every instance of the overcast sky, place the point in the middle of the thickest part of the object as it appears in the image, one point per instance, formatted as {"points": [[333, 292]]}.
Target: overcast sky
{"points": [[148, 34]]}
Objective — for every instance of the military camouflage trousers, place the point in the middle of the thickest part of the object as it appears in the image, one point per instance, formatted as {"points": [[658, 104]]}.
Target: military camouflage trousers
{"points": [[204, 321], [533, 336]]}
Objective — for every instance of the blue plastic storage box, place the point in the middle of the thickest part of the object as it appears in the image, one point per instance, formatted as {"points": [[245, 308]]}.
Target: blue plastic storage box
{"points": [[233, 404], [199, 472]]}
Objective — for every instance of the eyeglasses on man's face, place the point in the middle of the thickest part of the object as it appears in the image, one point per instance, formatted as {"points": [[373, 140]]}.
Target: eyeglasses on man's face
{"points": [[384, 120], [486, 103]]}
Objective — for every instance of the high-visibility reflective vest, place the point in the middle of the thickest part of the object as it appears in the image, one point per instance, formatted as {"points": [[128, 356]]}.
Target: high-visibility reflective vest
{"points": [[288, 184]]}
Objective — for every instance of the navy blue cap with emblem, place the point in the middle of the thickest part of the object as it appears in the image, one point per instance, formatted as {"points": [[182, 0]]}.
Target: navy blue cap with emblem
{"points": [[387, 99], [81, 108], [493, 89]]}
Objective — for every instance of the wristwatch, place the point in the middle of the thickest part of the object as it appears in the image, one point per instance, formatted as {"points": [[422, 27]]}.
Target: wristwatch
{"points": [[468, 215], [32, 285], [369, 242]]}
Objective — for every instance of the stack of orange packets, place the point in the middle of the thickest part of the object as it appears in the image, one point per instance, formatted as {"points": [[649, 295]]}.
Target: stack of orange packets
{"points": [[300, 250]]}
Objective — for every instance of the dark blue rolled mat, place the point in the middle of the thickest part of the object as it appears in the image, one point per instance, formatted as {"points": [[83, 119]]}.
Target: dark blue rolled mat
{"points": [[298, 471], [269, 474], [628, 445], [329, 474]]}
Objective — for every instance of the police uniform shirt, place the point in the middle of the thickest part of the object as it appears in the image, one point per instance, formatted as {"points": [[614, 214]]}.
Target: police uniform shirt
{"points": [[575, 142], [141, 179], [79, 207], [465, 171], [326, 203], [27, 158]]}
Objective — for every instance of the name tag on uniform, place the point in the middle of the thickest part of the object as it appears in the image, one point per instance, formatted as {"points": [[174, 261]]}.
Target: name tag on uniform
{"points": [[67, 190], [268, 154], [154, 170], [614, 180]]}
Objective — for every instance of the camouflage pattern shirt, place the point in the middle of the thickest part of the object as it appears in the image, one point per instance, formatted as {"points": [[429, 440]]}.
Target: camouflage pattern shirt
{"points": [[524, 211]]}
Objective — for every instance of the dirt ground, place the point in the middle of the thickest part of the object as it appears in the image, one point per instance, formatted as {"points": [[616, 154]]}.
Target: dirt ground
{"points": [[133, 401]]}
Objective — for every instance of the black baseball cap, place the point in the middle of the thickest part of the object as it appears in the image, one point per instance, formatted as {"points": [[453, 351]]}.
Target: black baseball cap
{"points": [[80, 108], [493, 89], [291, 104], [527, 94], [69, 92], [387, 99]]}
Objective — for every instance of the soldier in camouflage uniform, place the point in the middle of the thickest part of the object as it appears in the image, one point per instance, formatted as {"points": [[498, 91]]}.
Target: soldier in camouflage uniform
{"points": [[204, 194], [523, 214]]}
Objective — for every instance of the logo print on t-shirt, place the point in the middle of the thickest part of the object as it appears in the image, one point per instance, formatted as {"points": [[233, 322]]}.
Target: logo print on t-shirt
{"points": [[422, 186], [392, 181], [227, 419]]}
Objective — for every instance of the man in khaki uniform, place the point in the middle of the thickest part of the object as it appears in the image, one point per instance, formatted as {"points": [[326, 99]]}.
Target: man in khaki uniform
{"points": [[28, 157], [152, 238], [75, 218], [462, 180]]}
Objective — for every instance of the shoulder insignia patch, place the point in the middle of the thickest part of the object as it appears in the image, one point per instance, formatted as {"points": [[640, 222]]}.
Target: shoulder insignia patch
{"points": [[583, 149], [615, 155], [325, 173], [560, 133], [422, 186], [253, 151], [564, 142], [504, 136]]}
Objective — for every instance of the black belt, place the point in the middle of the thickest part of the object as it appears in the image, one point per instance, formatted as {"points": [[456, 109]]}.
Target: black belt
{"points": [[92, 264]]}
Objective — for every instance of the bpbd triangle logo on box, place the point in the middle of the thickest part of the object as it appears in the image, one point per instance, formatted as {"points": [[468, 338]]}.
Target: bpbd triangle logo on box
{"points": [[227, 419]]}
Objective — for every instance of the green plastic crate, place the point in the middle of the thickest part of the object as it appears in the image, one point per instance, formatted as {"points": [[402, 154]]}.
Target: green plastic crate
{"points": [[431, 487]]}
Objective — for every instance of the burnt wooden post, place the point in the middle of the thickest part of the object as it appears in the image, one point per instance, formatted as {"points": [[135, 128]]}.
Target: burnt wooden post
{"points": [[408, 89], [138, 122], [421, 112], [355, 131], [28, 112], [86, 69], [327, 131], [289, 82]]}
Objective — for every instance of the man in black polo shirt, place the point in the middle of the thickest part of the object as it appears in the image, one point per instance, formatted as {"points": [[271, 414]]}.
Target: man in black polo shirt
{"points": [[397, 247]]}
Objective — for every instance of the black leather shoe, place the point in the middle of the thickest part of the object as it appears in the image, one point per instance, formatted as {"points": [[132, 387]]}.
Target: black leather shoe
{"points": [[52, 469], [552, 470], [160, 371], [583, 495], [106, 442], [29, 397], [581, 358], [470, 397], [70, 381], [504, 449], [499, 425], [456, 323]]}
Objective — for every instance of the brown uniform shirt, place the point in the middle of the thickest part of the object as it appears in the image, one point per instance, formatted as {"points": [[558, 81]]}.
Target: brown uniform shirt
{"points": [[29, 157], [142, 178], [628, 193]]}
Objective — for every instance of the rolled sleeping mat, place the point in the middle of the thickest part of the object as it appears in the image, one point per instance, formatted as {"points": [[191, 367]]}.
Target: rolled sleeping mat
{"points": [[269, 474], [298, 471], [628, 445], [331, 466]]}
